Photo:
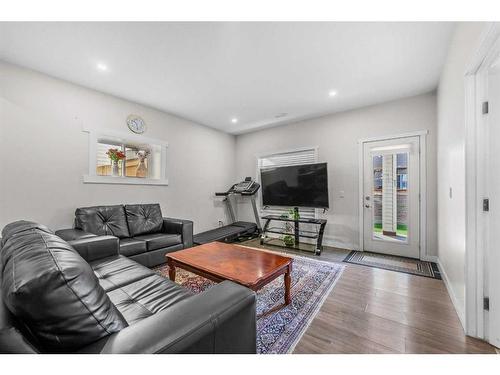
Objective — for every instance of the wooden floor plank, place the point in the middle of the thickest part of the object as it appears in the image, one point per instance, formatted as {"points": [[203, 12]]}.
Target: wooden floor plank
{"points": [[379, 311], [373, 310]]}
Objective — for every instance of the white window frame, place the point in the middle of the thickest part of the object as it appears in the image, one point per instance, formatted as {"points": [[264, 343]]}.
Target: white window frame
{"points": [[123, 138], [278, 210]]}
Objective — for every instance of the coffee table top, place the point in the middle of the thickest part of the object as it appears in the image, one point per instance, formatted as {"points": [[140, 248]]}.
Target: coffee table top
{"points": [[245, 266]]}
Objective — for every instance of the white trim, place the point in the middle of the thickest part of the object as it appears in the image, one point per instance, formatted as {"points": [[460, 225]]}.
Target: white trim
{"points": [[123, 137], [454, 300], [87, 179], [487, 39], [475, 189], [430, 258], [287, 151], [361, 194], [394, 136], [333, 241], [422, 135], [423, 195], [473, 250]]}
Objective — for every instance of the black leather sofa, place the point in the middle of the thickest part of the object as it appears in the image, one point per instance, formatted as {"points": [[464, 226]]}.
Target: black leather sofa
{"points": [[87, 298], [145, 235]]}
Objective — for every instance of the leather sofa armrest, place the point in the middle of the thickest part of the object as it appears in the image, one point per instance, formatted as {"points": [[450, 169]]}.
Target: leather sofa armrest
{"points": [[179, 226], [97, 247], [219, 320], [73, 234]]}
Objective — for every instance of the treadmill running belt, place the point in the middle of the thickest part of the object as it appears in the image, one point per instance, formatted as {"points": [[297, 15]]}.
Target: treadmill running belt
{"points": [[227, 232]]}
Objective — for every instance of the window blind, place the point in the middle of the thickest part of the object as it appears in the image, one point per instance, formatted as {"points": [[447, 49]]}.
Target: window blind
{"points": [[282, 159]]}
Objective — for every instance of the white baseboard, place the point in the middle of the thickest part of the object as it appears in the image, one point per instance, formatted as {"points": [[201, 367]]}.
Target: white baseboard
{"points": [[430, 258], [458, 308], [339, 244], [334, 242]]}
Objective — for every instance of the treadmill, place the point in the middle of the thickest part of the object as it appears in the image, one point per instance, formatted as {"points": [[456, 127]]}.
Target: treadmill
{"points": [[237, 230]]}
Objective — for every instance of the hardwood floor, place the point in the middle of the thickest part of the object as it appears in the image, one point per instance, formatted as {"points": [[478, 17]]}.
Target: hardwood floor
{"points": [[377, 311], [372, 310]]}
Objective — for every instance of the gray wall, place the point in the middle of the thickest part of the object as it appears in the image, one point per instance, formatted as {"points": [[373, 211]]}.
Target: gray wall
{"points": [[451, 159], [337, 137], [44, 154]]}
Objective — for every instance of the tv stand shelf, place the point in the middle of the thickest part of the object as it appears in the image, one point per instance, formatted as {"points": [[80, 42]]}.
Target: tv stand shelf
{"points": [[297, 232], [302, 233]]}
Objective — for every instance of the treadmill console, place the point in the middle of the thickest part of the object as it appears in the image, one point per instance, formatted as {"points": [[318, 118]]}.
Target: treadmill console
{"points": [[247, 187], [243, 186]]}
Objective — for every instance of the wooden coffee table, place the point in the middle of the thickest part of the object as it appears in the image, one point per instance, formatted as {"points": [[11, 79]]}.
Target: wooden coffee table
{"points": [[220, 261]]}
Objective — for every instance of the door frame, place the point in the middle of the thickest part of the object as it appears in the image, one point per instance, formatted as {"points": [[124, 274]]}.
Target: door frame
{"points": [[422, 134], [475, 78]]}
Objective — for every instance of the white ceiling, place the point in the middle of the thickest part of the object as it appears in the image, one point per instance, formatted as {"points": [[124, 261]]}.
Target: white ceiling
{"points": [[213, 72]]}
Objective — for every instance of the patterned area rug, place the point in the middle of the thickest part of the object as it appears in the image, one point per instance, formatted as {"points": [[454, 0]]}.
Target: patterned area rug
{"points": [[279, 328], [394, 263]]}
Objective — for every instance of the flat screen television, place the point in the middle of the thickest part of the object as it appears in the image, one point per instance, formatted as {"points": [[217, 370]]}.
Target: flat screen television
{"points": [[303, 185]]}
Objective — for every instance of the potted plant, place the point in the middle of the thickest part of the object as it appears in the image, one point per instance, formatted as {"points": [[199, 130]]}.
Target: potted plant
{"points": [[288, 238], [293, 214], [115, 155]]}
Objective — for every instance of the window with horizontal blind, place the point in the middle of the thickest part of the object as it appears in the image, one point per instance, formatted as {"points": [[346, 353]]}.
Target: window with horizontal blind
{"points": [[283, 159]]}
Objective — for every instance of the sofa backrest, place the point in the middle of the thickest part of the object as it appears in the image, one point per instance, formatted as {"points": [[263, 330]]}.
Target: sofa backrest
{"points": [[102, 220], [143, 218], [51, 292]]}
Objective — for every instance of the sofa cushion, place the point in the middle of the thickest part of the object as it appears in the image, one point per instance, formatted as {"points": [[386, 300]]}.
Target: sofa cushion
{"points": [[50, 288], [102, 220], [118, 271], [155, 241], [143, 218], [132, 246], [146, 297]]}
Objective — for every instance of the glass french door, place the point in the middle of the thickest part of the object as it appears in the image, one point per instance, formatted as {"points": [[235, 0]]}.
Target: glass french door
{"points": [[391, 187]]}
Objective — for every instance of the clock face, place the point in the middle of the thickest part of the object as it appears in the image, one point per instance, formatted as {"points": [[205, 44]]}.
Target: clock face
{"points": [[136, 124]]}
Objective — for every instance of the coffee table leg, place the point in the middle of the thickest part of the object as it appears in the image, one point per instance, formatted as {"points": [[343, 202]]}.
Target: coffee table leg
{"points": [[288, 283], [171, 270]]}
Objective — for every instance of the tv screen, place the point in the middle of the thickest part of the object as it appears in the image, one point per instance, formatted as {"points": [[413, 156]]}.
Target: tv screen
{"points": [[295, 186]]}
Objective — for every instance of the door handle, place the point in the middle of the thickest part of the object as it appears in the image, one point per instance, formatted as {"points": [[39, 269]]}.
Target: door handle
{"points": [[367, 205]]}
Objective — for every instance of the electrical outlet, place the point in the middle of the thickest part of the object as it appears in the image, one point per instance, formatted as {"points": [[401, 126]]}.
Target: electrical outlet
{"points": [[341, 194]]}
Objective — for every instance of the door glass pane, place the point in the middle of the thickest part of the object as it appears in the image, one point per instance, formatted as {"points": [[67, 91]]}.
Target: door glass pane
{"points": [[390, 197]]}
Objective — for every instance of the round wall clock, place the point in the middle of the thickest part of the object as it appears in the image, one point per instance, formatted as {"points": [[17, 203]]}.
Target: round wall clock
{"points": [[136, 124]]}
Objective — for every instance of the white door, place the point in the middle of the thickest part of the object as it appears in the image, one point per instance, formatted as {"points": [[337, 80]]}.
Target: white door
{"points": [[492, 173], [391, 189]]}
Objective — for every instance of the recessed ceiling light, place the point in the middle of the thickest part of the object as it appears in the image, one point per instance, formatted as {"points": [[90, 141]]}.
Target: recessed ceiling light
{"points": [[332, 93], [102, 67], [234, 120]]}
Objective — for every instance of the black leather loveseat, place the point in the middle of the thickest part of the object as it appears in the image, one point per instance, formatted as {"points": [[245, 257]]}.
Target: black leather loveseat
{"points": [[86, 298], [145, 235]]}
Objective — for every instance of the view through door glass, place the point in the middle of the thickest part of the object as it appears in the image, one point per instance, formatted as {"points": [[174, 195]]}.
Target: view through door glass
{"points": [[391, 188], [390, 197]]}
